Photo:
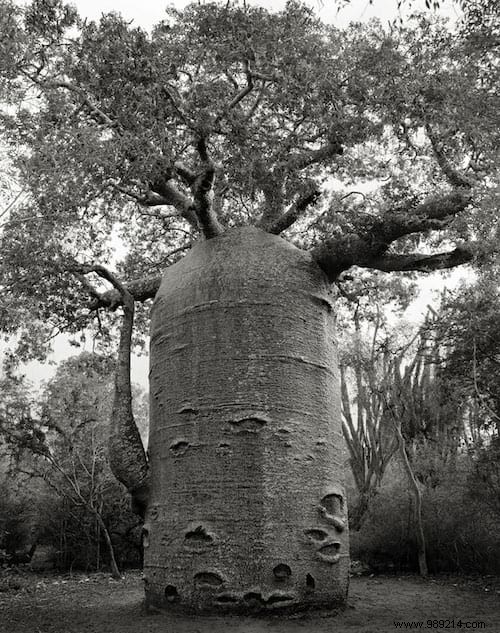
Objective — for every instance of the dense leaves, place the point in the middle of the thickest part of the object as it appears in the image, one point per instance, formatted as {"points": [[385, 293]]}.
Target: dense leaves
{"points": [[469, 335], [117, 133]]}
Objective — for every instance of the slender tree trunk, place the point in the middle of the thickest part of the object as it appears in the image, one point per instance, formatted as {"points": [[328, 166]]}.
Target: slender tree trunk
{"points": [[98, 553], [417, 495], [127, 458], [247, 508], [369, 450], [358, 514], [115, 572]]}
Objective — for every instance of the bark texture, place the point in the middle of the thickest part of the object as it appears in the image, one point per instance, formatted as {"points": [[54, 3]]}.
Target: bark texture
{"points": [[417, 511], [127, 458], [247, 509]]}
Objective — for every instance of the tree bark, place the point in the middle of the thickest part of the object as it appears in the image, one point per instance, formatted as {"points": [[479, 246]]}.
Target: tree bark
{"points": [[368, 241], [141, 290], [115, 572], [417, 495], [127, 457], [247, 508]]}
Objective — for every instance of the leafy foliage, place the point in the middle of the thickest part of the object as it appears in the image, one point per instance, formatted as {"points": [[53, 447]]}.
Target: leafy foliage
{"points": [[62, 441], [106, 124], [469, 334]]}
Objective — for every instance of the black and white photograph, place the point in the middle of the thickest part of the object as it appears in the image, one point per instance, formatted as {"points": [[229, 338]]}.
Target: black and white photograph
{"points": [[249, 316]]}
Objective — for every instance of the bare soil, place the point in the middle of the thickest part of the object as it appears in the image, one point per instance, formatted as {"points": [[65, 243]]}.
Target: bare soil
{"points": [[32, 603]]}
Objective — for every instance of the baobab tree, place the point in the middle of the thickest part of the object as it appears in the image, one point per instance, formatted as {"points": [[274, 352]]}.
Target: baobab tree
{"points": [[207, 148]]}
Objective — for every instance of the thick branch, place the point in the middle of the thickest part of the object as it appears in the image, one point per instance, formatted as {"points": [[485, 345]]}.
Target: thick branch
{"points": [[293, 213], [92, 291], [149, 199], [370, 237], [454, 177], [297, 162], [208, 223], [140, 289], [273, 188], [392, 262], [174, 197], [126, 453], [127, 458], [275, 180], [185, 173], [433, 214], [257, 101]]}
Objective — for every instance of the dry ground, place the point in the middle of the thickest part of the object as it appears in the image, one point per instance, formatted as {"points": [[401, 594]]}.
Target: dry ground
{"points": [[77, 604]]}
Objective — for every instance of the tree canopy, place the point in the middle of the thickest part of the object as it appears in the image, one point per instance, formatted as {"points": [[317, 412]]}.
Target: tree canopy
{"points": [[226, 115]]}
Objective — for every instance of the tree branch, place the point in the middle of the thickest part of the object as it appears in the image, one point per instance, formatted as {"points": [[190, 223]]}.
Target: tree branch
{"points": [[454, 177], [392, 262], [274, 181], [185, 173], [85, 101], [126, 453], [175, 198], [293, 213], [257, 101], [299, 161], [161, 193], [152, 199], [240, 95], [202, 188], [178, 105], [370, 237], [433, 214], [106, 274], [149, 199], [273, 188], [93, 292], [140, 289]]}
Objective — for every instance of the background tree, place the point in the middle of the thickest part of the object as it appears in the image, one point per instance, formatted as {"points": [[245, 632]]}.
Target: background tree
{"points": [[447, 441], [66, 444], [468, 335], [366, 377], [19, 529], [228, 116]]}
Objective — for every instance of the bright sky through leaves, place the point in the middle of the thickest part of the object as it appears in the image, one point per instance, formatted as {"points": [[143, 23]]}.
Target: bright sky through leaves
{"points": [[148, 12]]}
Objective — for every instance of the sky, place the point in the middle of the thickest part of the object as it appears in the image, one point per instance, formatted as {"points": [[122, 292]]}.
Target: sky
{"points": [[145, 13]]}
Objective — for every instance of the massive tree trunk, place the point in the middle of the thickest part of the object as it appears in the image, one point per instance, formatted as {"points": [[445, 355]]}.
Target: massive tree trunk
{"points": [[247, 509]]}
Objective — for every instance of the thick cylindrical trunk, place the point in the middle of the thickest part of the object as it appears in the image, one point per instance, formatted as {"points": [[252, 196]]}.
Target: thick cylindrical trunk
{"points": [[247, 509]]}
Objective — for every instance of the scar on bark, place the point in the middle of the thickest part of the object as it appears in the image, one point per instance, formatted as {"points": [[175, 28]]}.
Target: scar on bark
{"points": [[127, 457]]}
